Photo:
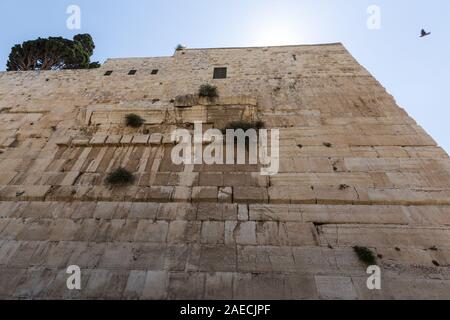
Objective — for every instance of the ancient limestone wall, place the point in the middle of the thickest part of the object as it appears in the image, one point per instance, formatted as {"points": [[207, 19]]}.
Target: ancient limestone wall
{"points": [[355, 170]]}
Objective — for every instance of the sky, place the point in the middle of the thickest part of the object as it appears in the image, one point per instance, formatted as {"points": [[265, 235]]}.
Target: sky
{"points": [[414, 70]]}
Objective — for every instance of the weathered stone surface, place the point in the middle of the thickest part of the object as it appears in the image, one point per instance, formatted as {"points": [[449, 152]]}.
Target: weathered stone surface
{"points": [[243, 214], [150, 231], [141, 139], [225, 195], [217, 258], [204, 194], [213, 232], [219, 286], [135, 285], [336, 288], [155, 287], [354, 170], [156, 139], [184, 232], [185, 286], [242, 233], [250, 195]]}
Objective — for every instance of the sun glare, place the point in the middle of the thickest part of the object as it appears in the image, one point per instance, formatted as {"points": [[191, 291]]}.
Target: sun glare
{"points": [[279, 34]]}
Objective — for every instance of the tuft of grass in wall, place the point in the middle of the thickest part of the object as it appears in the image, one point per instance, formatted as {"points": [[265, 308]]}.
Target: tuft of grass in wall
{"points": [[208, 91], [134, 121], [365, 255], [120, 177], [94, 65], [244, 125], [180, 47]]}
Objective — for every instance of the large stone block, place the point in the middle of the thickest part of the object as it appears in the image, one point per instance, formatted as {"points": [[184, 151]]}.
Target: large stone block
{"points": [[204, 194], [213, 232], [151, 231], [332, 288], [250, 195]]}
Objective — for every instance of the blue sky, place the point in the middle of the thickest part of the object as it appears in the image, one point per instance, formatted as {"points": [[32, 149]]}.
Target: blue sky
{"points": [[414, 70]]}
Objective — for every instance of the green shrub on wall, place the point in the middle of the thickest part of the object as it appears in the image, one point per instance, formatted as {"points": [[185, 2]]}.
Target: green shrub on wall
{"points": [[134, 121], [120, 176]]}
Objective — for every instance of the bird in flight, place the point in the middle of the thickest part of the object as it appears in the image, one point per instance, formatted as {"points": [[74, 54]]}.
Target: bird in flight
{"points": [[423, 33]]}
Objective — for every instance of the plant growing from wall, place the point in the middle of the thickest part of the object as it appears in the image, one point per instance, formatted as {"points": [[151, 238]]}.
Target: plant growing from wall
{"points": [[120, 177], [365, 255], [180, 47], [94, 65], [208, 91], [134, 121]]}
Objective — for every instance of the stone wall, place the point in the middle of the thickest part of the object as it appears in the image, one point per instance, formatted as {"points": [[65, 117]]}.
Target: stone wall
{"points": [[356, 170]]}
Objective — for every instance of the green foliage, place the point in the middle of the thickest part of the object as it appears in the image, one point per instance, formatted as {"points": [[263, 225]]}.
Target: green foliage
{"points": [[120, 176], [365, 255], [94, 65], [244, 125], [208, 91], [86, 41], [134, 121], [180, 47], [53, 53]]}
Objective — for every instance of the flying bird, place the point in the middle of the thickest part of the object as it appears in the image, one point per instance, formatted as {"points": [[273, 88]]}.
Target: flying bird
{"points": [[423, 33]]}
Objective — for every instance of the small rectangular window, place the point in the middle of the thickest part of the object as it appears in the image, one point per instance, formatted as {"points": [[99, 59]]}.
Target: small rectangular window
{"points": [[108, 73], [132, 72], [155, 71], [220, 73]]}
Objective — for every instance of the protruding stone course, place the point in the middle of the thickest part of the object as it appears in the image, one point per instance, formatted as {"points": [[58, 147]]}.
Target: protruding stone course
{"points": [[355, 170]]}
